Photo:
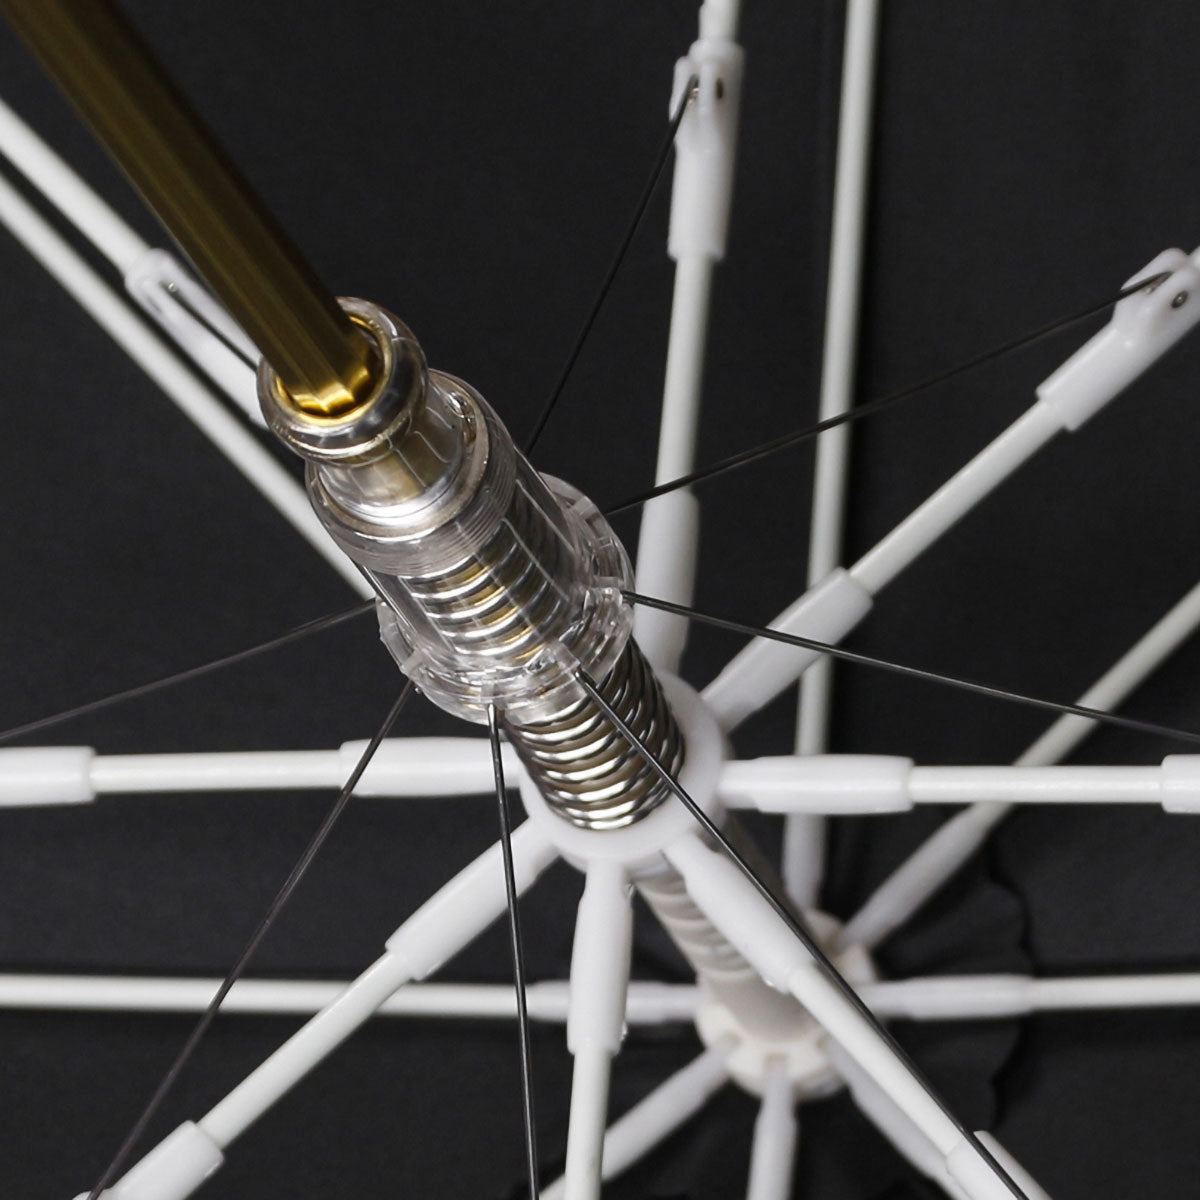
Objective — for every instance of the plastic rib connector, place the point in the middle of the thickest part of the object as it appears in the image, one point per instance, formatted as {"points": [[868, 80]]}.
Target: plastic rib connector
{"points": [[1179, 783], [705, 148], [43, 775], [1144, 326], [173, 1170], [821, 783], [825, 613]]}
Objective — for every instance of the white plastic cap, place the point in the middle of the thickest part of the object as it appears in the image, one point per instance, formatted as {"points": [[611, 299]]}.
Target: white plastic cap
{"points": [[173, 1170], [666, 557], [825, 613], [1143, 328], [819, 783], [38, 775], [432, 766], [1180, 783], [705, 148]]}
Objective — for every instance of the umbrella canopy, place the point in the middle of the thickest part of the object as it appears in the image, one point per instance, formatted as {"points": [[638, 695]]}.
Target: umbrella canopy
{"points": [[472, 168]]}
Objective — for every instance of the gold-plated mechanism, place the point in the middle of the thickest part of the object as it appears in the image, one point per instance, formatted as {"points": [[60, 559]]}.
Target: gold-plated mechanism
{"points": [[104, 68]]}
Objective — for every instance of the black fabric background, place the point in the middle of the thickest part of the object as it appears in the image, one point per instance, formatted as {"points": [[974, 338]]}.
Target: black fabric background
{"points": [[472, 167]]}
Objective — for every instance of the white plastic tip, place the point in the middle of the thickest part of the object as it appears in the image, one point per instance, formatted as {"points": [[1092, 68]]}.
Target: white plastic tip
{"points": [[32, 776], [173, 1170]]}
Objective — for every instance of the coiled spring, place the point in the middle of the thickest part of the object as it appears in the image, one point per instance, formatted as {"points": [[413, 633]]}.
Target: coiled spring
{"points": [[584, 765], [499, 602]]}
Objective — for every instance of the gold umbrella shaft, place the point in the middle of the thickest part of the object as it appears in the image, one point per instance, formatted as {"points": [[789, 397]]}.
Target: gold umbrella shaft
{"points": [[104, 68]]}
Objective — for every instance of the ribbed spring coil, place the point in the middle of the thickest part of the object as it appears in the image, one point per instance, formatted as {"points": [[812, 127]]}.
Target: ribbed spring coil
{"points": [[584, 765], [708, 952], [497, 602], [731, 979]]}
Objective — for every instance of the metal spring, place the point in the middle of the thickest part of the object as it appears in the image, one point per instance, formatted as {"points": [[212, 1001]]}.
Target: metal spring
{"points": [[500, 601], [708, 952], [584, 765], [760, 1009]]}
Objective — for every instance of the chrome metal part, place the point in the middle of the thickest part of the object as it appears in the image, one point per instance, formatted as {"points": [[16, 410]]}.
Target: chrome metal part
{"points": [[585, 767], [496, 586]]}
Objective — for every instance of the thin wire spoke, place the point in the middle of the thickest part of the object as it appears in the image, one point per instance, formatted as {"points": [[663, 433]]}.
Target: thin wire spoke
{"points": [[788, 440], [217, 664], [784, 912], [639, 212], [285, 893], [884, 664], [518, 953]]}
